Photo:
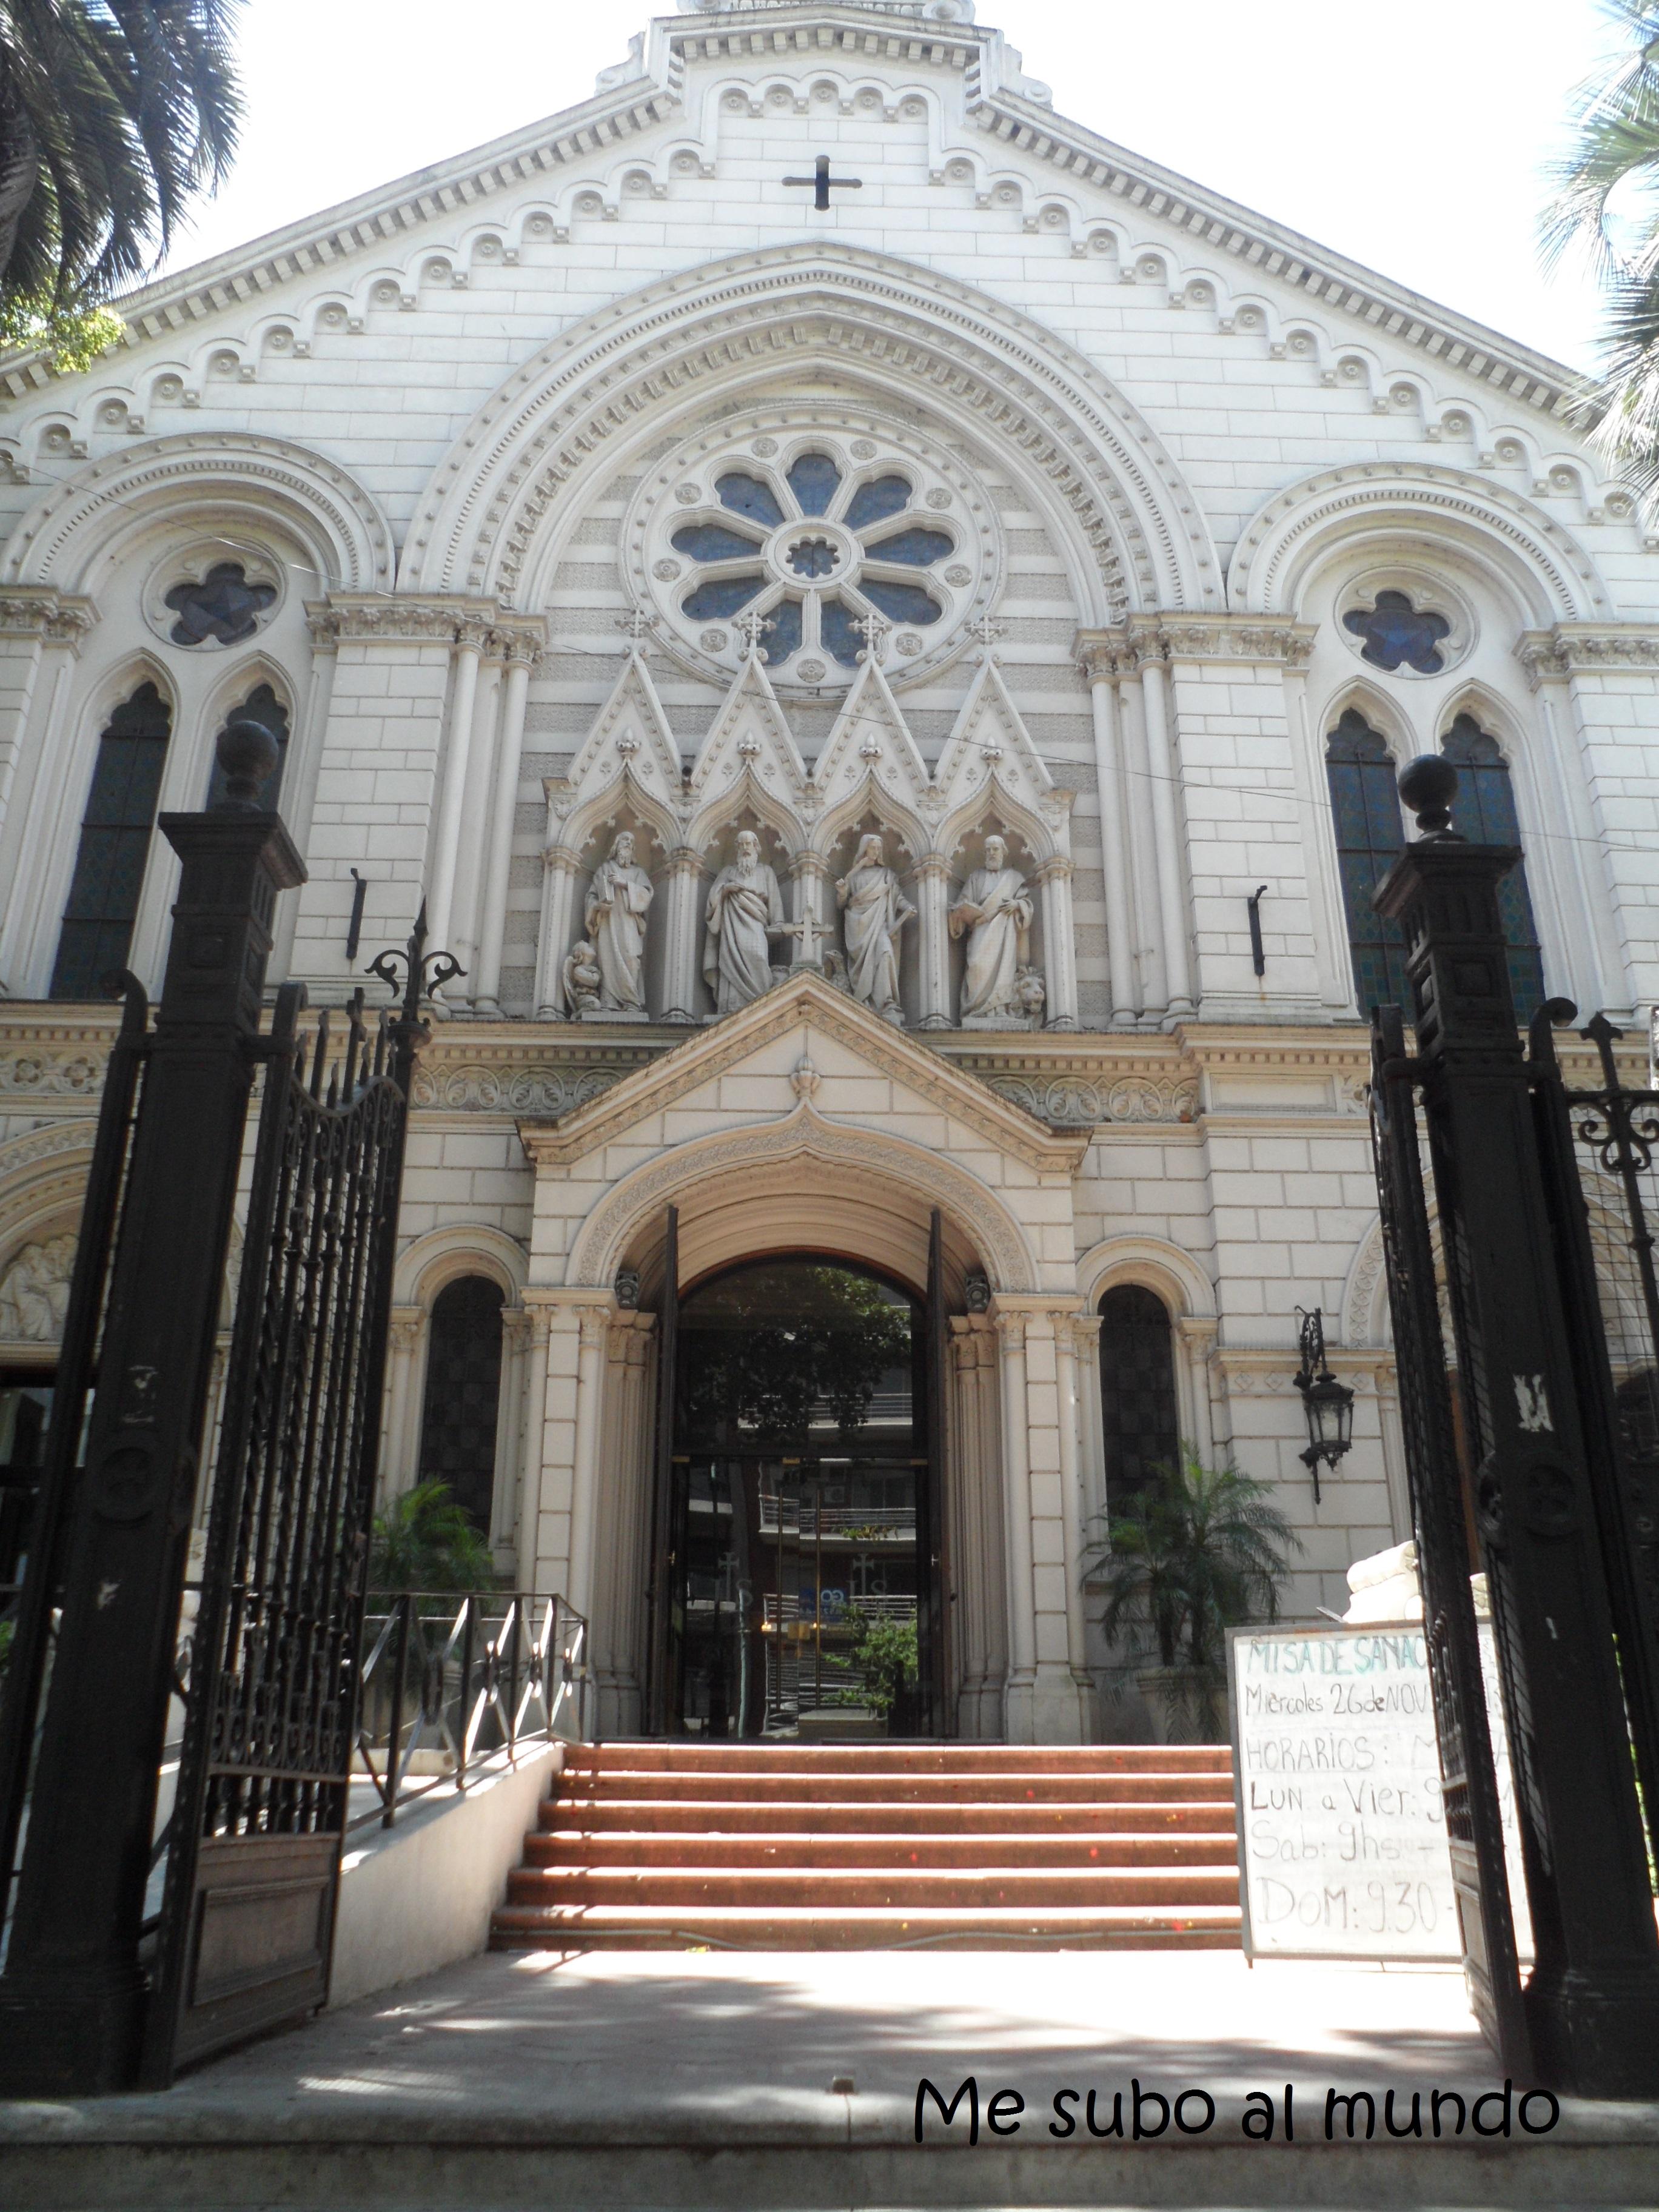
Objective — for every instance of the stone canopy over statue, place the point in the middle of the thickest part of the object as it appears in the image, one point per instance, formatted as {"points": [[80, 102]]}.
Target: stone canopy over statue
{"points": [[743, 914], [994, 913], [614, 914], [873, 912]]}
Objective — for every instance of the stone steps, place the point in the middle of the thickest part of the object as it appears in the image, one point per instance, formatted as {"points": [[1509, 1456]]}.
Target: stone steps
{"points": [[676, 1846]]}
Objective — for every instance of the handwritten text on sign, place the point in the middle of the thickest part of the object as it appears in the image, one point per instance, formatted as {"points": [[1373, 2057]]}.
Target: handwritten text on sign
{"points": [[1342, 1837]]}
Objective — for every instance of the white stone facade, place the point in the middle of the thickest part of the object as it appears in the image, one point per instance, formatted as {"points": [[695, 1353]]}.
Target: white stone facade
{"points": [[1154, 451]]}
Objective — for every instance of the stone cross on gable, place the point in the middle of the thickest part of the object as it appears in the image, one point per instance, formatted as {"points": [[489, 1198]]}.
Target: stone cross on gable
{"points": [[875, 630], [811, 937], [635, 625], [988, 632], [822, 182], [752, 629]]}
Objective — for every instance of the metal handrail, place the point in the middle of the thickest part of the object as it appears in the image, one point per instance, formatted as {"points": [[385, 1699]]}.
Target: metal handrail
{"points": [[463, 1680]]}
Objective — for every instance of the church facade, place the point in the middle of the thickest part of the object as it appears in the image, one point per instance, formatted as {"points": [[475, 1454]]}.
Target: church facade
{"points": [[881, 626]]}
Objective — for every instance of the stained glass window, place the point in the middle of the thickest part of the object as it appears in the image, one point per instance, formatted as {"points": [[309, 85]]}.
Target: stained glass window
{"points": [[815, 480], [1369, 833], [1137, 1390], [1396, 633], [917, 548], [902, 603], [1484, 813], [263, 707], [114, 847], [222, 609], [875, 501], [748, 496], [462, 1393]]}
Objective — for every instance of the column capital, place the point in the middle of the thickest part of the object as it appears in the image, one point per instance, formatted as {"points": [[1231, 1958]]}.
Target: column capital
{"points": [[42, 611], [389, 617]]}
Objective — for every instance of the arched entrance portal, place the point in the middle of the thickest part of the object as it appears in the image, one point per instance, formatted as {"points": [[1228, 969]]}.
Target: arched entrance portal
{"points": [[801, 1530]]}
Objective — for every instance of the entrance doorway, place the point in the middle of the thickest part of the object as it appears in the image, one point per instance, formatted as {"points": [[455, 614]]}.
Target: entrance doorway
{"points": [[802, 1582]]}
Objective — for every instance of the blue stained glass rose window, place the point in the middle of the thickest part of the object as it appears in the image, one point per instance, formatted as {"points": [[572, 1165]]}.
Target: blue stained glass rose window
{"points": [[1396, 633], [816, 545], [815, 480], [223, 609]]}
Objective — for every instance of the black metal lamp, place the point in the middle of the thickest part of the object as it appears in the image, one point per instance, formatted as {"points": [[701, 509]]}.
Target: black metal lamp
{"points": [[1327, 1403]]}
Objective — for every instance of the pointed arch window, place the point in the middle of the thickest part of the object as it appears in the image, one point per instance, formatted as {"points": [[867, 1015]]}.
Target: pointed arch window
{"points": [[114, 848], [261, 706], [1484, 813], [1137, 1389], [462, 1393], [1369, 833]]}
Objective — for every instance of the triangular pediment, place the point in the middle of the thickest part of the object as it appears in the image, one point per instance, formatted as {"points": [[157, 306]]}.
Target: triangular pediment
{"points": [[991, 744], [870, 750], [804, 1001], [630, 736], [748, 752]]}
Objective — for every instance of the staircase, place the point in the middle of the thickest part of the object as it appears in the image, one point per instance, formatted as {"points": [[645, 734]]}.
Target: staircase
{"points": [[783, 1848]]}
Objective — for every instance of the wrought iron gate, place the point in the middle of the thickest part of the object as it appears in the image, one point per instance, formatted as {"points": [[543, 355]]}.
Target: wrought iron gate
{"points": [[246, 1921], [1475, 1831], [1597, 1148]]}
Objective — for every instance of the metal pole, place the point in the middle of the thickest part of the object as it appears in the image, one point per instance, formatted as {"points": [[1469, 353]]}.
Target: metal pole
{"points": [[72, 1998], [1592, 1999]]}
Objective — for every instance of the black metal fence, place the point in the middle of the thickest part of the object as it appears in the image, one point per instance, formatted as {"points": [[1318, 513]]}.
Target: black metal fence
{"points": [[449, 1685]]}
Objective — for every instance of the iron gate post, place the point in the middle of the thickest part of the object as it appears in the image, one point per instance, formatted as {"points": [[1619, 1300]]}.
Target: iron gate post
{"points": [[72, 1996], [1592, 1998]]}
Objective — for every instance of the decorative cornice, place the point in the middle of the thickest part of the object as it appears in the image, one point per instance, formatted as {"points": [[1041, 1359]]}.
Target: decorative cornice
{"points": [[52, 616], [1556, 654], [806, 999], [378, 618], [1160, 637]]}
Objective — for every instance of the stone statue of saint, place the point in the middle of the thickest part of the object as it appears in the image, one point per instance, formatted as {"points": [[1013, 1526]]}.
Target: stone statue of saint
{"points": [[874, 911], [994, 912], [583, 980], [35, 1291], [745, 913], [618, 900]]}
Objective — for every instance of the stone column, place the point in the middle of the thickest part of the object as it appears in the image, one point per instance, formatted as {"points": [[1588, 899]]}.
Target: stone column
{"points": [[967, 1595], [553, 1499], [595, 1325], [40, 634], [504, 1492], [1058, 1708], [1100, 666], [524, 1534], [1059, 944], [398, 1445], [1152, 992], [1072, 1499], [1019, 1719], [1196, 1334], [474, 823], [992, 1546], [1566, 871], [470, 633], [1086, 1340], [305, 761], [684, 938], [559, 877], [1166, 831], [522, 654], [1313, 790], [933, 896]]}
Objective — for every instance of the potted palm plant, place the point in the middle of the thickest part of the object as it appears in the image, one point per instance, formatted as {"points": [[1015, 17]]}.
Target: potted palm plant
{"points": [[1200, 1551]]}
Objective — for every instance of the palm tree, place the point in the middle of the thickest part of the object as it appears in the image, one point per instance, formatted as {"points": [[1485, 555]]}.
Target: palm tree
{"points": [[113, 114], [1198, 1551], [1605, 203]]}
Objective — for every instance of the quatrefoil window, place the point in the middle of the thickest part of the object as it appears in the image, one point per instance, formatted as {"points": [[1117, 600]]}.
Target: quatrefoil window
{"points": [[222, 609], [1395, 634]]}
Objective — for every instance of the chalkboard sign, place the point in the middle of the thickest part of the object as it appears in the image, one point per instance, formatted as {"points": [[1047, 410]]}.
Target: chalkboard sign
{"points": [[1341, 1832]]}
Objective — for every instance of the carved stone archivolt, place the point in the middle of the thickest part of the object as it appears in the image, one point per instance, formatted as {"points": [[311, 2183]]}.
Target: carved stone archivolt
{"points": [[1074, 1102]]}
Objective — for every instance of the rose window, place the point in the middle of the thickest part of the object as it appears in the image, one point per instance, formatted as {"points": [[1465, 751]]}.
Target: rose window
{"points": [[821, 535]]}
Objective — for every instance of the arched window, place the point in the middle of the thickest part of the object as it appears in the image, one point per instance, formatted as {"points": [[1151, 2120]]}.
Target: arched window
{"points": [[462, 1393], [1369, 833], [115, 848], [1484, 813], [1137, 1389], [261, 706]]}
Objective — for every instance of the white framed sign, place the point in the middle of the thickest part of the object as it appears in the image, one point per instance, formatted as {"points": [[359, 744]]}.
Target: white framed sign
{"points": [[1336, 1776]]}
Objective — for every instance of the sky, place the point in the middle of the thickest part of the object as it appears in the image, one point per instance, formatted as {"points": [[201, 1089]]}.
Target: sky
{"points": [[1411, 138]]}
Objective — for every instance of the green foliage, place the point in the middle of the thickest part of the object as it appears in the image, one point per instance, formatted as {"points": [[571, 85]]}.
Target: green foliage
{"points": [[114, 114], [748, 1362], [1199, 1551], [884, 1652], [424, 1540], [72, 337], [1606, 204]]}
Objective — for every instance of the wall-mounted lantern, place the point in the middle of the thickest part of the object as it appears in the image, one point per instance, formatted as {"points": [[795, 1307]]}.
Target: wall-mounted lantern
{"points": [[1327, 1403]]}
